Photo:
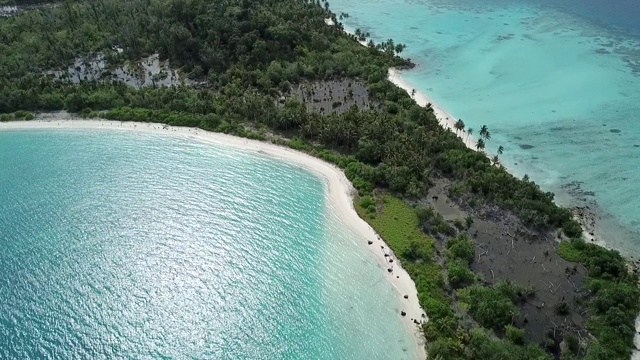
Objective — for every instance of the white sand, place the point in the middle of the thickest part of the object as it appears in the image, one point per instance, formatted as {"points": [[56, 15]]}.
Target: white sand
{"points": [[339, 191]]}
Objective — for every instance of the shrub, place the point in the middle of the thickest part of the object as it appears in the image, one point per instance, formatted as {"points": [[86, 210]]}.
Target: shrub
{"points": [[459, 273], [562, 308], [433, 222], [461, 248], [368, 203], [491, 308], [514, 334]]}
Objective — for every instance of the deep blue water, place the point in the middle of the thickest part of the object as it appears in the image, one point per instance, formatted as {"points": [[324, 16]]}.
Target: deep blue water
{"points": [[556, 81], [129, 245]]}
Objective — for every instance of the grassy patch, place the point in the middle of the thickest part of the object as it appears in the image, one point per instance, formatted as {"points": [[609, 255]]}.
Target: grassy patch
{"points": [[397, 223], [569, 252]]}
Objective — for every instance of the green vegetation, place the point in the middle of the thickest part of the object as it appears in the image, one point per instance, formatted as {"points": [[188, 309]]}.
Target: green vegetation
{"points": [[432, 222], [613, 300], [397, 223], [491, 307], [514, 334], [484, 347], [253, 51], [461, 248], [248, 54], [461, 252], [18, 115]]}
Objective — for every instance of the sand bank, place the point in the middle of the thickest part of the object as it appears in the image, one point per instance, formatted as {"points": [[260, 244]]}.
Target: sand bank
{"points": [[339, 191]]}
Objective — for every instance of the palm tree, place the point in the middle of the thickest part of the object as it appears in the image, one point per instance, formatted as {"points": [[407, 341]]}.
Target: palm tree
{"points": [[459, 125], [484, 132], [495, 160], [500, 150], [469, 132], [480, 145]]}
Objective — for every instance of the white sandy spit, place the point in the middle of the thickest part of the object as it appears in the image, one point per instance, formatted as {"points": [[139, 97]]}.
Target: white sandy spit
{"points": [[339, 191]]}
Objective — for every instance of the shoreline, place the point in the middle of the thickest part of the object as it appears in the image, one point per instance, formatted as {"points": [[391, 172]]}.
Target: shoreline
{"points": [[445, 119], [338, 189], [585, 216]]}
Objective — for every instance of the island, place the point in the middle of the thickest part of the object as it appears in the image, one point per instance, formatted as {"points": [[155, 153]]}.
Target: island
{"points": [[501, 271]]}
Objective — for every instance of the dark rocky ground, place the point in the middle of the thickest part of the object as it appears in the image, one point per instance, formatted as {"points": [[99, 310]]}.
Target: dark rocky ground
{"points": [[506, 249], [332, 96]]}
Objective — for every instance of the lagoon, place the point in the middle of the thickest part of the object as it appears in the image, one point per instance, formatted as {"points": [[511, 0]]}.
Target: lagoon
{"points": [[140, 245]]}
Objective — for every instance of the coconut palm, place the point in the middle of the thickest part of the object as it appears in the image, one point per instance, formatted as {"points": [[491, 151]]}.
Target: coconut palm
{"points": [[500, 150], [469, 132], [459, 125], [496, 160], [484, 132], [480, 145]]}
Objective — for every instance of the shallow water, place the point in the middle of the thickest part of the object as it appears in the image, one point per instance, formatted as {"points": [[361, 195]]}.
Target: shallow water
{"points": [[145, 246], [558, 86]]}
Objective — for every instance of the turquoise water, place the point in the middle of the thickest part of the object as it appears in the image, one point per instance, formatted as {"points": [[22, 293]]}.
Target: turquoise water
{"points": [[129, 245], [557, 83]]}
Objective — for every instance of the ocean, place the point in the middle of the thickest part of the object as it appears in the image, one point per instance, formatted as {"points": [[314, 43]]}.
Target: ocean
{"points": [[557, 83], [136, 245]]}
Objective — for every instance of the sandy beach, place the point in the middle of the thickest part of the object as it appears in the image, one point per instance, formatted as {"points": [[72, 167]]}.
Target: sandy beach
{"points": [[338, 190]]}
